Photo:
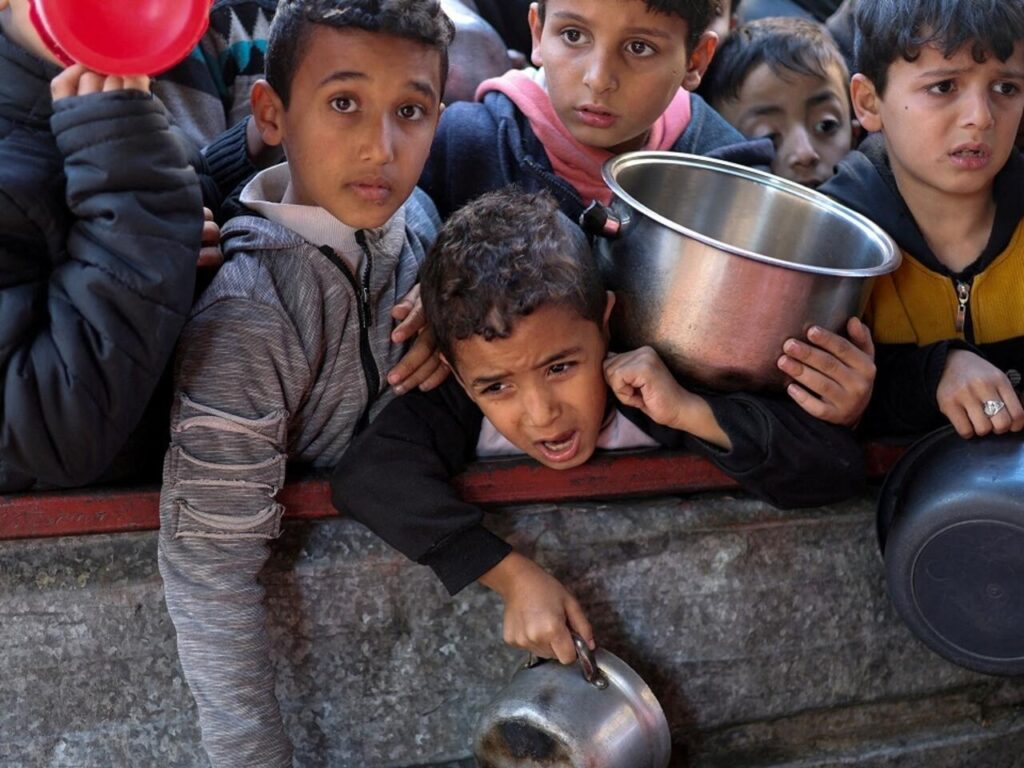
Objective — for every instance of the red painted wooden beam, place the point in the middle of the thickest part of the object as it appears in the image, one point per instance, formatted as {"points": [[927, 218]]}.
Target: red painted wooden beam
{"points": [[506, 481]]}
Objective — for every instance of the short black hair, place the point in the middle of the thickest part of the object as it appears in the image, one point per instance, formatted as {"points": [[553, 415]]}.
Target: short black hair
{"points": [[698, 14], [499, 258], [899, 28], [783, 43], [422, 21]]}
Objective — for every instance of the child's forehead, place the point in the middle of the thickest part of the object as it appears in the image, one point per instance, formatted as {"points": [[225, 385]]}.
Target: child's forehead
{"points": [[636, 11]]}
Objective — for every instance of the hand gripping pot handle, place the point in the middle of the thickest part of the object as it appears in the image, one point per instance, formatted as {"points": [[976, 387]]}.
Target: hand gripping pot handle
{"points": [[584, 657], [597, 713]]}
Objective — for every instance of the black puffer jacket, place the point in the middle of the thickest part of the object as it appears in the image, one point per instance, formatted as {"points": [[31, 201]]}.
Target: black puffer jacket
{"points": [[100, 221]]}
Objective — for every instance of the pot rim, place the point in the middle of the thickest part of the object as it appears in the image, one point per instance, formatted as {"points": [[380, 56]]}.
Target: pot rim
{"points": [[891, 256]]}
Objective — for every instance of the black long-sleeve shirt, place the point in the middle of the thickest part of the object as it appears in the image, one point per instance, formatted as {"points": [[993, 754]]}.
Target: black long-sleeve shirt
{"points": [[396, 476]]}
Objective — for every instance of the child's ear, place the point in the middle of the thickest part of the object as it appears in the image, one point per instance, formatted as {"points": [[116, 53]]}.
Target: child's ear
{"points": [[455, 373], [536, 28], [866, 103], [609, 305], [700, 58], [268, 112]]}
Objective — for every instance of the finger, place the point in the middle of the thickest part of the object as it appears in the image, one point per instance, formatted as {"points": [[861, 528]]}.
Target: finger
{"points": [[860, 335], [562, 646], [1013, 406], [811, 379], [809, 402], [211, 233], [413, 322], [419, 353], [961, 423], [207, 214], [578, 622], [137, 83], [113, 83], [822, 360], [66, 83], [418, 376], [90, 82], [435, 379], [1003, 421], [981, 424], [210, 258]]}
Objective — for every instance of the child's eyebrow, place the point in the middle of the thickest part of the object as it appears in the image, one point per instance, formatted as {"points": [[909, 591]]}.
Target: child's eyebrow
{"points": [[821, 98], [645, 31], [343, 76], [483, 381]]}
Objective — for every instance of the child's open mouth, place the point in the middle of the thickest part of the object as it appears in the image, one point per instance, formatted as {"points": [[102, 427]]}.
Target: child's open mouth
{"points": [[971, 156], [372, 191], [563, 447]]}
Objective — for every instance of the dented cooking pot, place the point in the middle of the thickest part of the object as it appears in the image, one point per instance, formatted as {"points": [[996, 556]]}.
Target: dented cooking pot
{"points": [[599, 714]]}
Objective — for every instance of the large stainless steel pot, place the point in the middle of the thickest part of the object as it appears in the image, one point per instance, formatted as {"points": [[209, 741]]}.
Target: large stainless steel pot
{"points": [[715, 265], [552, 716]]}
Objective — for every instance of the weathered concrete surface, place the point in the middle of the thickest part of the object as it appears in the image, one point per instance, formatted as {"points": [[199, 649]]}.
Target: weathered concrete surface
{"points": [[766, 635]]}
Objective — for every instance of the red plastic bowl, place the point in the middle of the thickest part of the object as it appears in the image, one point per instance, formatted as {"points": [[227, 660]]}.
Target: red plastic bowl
{"points": [[123, 37]]}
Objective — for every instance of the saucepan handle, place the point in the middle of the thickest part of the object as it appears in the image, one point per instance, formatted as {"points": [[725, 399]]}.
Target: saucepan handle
{"points": [[607, 221], [584, 657]]}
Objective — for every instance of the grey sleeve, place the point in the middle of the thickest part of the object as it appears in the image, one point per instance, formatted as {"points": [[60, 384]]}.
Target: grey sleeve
{"points": [[241, 372]]}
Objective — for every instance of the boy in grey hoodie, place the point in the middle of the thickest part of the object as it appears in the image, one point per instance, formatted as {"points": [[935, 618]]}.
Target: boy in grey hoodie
{"points": [[286, 355]]}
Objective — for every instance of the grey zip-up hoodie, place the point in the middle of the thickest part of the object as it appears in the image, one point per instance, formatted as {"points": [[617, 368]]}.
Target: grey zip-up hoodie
{"points": [[282, 358]]}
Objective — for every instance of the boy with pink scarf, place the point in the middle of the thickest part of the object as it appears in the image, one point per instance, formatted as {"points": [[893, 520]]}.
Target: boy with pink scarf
{"points": [[614, 76]]}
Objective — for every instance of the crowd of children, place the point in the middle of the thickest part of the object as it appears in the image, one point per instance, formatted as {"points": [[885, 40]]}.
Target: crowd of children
{"points": [[316, 342]]}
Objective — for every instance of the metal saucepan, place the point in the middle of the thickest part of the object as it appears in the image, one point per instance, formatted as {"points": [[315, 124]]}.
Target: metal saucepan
{"points": [[715, 265], [951, 529], [552, 716]]}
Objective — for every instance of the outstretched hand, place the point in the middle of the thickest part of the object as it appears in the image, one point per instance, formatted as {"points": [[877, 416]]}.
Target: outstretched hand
{"points": [[539, 610]]}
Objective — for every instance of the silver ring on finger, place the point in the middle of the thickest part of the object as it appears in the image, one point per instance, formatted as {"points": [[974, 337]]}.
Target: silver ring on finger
{"points": [[992, 407]]}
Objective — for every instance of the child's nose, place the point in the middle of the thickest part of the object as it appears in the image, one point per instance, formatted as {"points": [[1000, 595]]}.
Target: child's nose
{"points": [[377, 144], [978, 110], [600, 73], [541, 408], [799, 150]]}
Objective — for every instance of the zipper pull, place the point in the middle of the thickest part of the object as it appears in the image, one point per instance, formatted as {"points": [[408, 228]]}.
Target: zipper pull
{"points": [[963, 295]]}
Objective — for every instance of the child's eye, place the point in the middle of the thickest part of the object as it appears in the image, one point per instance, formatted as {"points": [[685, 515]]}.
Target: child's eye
{"points": [[827, 126], [412, 112], [493, 389], [946, 86], [1006, 89], [572, 36], [639, 48], [344, 104], [560, 368]]}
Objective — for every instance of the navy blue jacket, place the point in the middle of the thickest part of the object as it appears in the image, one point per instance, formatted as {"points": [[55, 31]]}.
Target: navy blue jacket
{"points": [[100, 221], [483, 146]]}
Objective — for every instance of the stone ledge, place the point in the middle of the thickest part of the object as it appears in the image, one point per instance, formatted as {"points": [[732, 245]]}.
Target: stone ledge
{"points": [[488, 483]]}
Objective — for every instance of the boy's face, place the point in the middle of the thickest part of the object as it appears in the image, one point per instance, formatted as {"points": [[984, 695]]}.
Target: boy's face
{"points": [[613, 67], [543, 387], [359, 123], [949, 124], [807, 118]]}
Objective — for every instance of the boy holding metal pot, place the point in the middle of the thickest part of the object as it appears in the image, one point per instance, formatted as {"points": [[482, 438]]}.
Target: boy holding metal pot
{"points": [[615, 76], [942, 82], [515, 300]]}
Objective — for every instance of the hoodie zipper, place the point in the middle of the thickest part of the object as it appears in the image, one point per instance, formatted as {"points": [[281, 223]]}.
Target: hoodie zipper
{"points": [[963, 316], [361, 288]]}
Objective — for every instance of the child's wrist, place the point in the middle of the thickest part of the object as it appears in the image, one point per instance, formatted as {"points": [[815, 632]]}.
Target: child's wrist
{"points": [[502, 577]]}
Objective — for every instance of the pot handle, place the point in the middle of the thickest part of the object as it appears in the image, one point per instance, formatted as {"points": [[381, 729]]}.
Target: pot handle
{"points": [[584, 657], [605, 221]]}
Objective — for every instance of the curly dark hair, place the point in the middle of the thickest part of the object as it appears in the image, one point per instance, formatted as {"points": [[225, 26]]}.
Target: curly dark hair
{"points": [[698, 14], [499, 258], [785, 44], [423, 21], [899, 28]]}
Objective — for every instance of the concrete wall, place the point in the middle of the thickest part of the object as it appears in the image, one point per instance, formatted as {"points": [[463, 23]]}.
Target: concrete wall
{"points": [[767, 636]]}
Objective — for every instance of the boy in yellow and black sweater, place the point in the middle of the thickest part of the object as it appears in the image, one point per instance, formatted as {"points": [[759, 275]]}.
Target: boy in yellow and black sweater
{"points": [[942, 81]]}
